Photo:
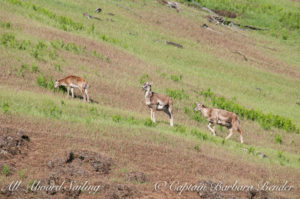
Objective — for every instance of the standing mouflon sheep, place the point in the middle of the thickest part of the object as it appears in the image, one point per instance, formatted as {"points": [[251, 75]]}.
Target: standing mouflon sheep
{"points": [[221, 117], [74, 82], [157, 102]]}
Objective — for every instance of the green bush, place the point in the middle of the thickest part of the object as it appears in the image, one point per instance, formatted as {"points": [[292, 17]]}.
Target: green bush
{"points": [[144, 78], [117, 118], [57, 67], [280, 155], [5, 170], [21, 70], [6, 25], [5, 107], [194, 115], [148, 122], [131, 120], [175, 78], [42, 81], [278, 139], [199, 134], [251, 150], [98, 55], [51, 110], [34, 68], [177, 94], [8, 39], [21, 173], [180, 129]]}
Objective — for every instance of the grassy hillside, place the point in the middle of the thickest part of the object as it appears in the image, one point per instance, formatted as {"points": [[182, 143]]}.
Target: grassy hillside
{"points": [[255, 74]]}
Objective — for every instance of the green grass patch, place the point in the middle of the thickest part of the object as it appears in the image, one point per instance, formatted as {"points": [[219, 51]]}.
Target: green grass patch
{"points": [[177, 94], [5, 170]]}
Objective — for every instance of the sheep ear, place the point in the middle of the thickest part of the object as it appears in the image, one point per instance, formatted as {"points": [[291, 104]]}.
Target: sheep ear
{"points": [[150, 83]]}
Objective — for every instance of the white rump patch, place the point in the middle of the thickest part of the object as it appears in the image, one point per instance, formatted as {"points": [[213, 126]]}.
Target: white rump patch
{"points": [[159, 106]]}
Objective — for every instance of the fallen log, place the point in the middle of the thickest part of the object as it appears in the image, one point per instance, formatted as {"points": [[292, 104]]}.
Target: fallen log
{"points": [[174, 44], [238, 52]]}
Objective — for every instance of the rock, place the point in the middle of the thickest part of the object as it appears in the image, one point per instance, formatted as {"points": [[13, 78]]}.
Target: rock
{"points": [[204, 26], [208, 193], [253, 194], [261, 155], [80, 163], [122, 191], [12, 142], [98, 10], [136, 176]]}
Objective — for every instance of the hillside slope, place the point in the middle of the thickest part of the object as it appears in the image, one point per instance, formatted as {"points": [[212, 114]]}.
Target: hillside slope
{"points": [[111, 141]]}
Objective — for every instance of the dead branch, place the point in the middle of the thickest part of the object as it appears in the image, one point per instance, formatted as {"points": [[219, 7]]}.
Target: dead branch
{"points": [[174, 44]]}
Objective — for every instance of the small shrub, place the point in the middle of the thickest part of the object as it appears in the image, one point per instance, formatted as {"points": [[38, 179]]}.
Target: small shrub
{"points": [[278, 139], [8, 40], [35, 53], [41, 45], [177, 94], [251, 150], [148, 122], [131, 120], [175, 78], [87, 120], [43, 82], [34, 68], [280, 155], [197, 147], [6, 25], [5, 107], [194, 115], [91, 29], [199, 134], [104, 38], [5, 170], [57, 67], [51, 110], [116, 118], [163, 75], [180, 129], [98, 55], [144, 78], [223, 141], [21, 70], [53, 54], [21, 173]]}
